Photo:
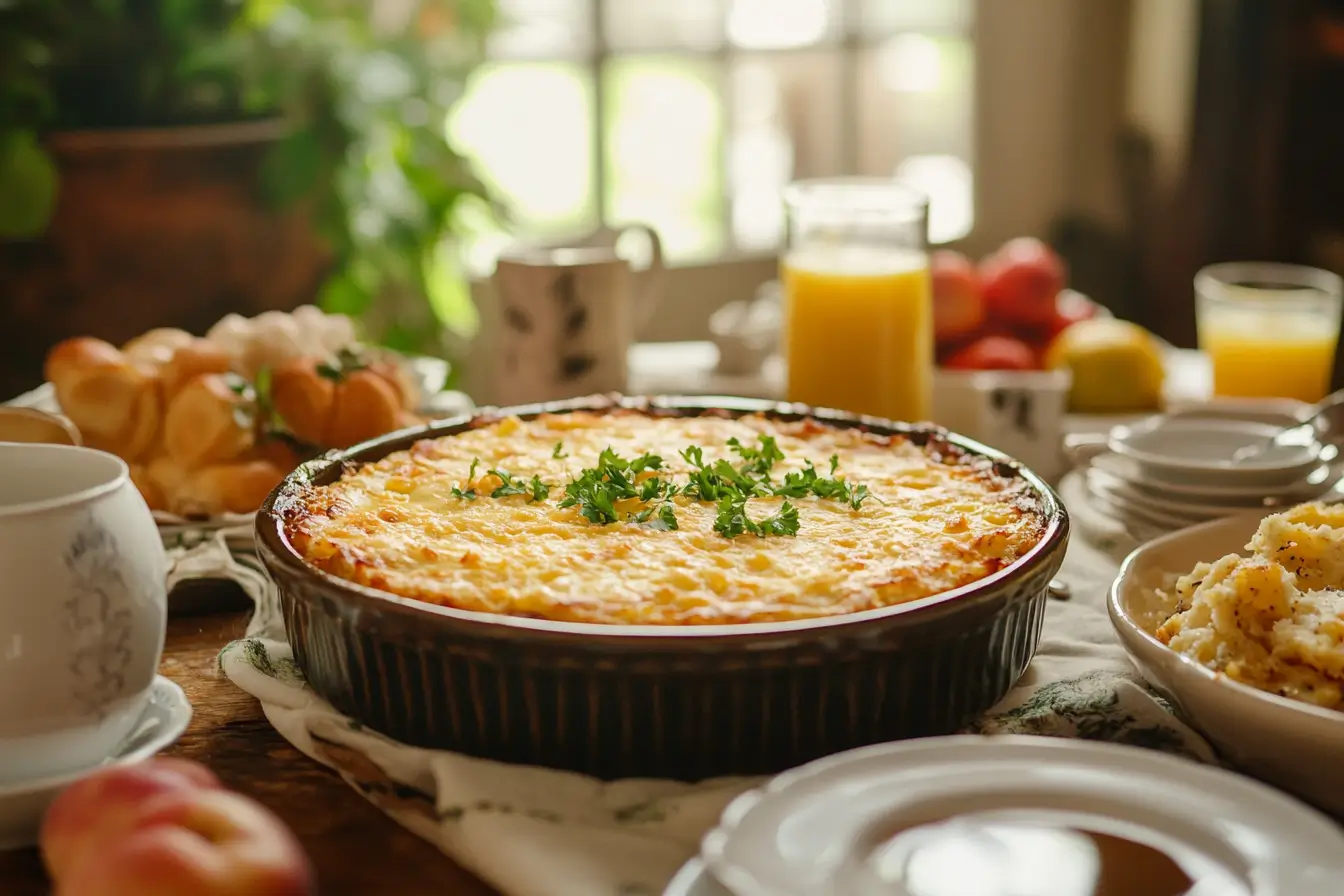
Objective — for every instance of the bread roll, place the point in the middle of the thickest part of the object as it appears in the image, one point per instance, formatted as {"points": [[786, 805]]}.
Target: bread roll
{"points": [[164, 476], [232, 334], [148, 488], [157, 346], [207, 423], [197, 357], [365, 406], [331, 332], [226, 488], [275, 339], [303, 398], [117, 404]]}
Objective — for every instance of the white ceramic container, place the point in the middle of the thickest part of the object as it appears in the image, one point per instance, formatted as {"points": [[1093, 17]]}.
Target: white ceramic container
{"points": [[1292, 744], [82, 608], [1019, 412]]}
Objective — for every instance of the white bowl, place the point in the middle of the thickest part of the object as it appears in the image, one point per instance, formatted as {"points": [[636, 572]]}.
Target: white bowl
{"points": [[1288, 743], [1192, 450]]}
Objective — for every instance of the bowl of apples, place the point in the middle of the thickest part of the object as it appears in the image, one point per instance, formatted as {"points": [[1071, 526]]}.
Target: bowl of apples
{"points": [[1017, 350]]}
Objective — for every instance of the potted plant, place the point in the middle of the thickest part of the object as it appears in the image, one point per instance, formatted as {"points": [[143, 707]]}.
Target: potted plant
{"points": [[164, 162]]}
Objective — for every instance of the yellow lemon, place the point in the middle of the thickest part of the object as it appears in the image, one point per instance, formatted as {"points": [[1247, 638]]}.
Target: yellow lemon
{"points": [[1116, 366]]}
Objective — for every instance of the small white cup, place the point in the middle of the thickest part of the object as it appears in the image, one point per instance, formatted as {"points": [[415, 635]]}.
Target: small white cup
{"points": [[83, 608], [1021, 413]]}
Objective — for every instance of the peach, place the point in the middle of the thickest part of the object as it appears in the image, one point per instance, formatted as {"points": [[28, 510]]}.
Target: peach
{"points": [[958, 309], [195, 843], [106, 804]]}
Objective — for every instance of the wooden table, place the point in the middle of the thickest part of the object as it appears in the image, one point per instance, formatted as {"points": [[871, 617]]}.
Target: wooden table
{"points": [[354, 847]]}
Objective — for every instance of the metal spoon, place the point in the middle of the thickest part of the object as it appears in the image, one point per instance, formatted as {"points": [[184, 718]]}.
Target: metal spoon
{"points": [[1254, 450]]}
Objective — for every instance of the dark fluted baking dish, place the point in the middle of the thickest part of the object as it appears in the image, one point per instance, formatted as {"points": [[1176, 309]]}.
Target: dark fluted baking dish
{"points": [[681, 702]]}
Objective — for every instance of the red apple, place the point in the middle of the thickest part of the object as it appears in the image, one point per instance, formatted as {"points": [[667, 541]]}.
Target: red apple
{"points": [[958, 309], [1070, 307], [1022, 281], [195, 843], [104, 806], [994, 353]]}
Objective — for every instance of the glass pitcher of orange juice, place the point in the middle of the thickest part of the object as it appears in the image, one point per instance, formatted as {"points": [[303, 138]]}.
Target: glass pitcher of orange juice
{"points": [[857, 297], [1270, 330]]}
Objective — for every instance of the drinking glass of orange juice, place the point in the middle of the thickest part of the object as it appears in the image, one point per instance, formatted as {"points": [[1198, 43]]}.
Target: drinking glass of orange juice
{"points": [[1269, 329], [857, 297]]}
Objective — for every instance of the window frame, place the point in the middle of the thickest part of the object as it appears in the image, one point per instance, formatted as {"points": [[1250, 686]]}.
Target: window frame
{"points": [[1031, 86]]}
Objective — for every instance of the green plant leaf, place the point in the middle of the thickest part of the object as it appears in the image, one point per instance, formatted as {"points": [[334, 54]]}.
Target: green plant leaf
{"points": [[290, 171], [28, 186]]}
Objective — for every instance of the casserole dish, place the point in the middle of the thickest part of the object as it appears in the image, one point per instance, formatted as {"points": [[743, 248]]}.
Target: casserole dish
{"points": [[679, 701]]}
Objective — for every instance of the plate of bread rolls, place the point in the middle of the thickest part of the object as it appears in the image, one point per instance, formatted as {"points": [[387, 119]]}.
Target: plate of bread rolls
{"points": [[209, 425]]}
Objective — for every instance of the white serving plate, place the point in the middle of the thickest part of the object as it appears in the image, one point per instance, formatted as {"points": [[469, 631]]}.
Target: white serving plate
{"points": [[1294, 745], [814, 830]]}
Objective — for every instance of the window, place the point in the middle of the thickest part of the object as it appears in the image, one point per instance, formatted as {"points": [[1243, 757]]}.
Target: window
{"points": [[691, 115]]}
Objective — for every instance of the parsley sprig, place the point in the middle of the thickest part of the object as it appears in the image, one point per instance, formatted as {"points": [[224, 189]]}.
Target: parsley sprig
{"points": [[597, 490], [639, 490], [534, 488], [730, 487]]}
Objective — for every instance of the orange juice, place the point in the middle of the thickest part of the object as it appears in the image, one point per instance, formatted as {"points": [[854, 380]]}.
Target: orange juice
{"points": [[860, 329], [1270, 356]]}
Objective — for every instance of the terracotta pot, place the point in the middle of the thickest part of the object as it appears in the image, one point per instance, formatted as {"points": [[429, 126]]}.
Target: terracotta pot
{"points": [[155, 227]]}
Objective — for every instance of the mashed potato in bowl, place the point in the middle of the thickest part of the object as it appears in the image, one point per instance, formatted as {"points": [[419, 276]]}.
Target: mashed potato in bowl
{"points": [[1273, 618]]}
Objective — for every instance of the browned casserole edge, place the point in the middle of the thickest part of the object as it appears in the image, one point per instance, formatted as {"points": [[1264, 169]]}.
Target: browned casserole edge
{"points": [[287, 562]]}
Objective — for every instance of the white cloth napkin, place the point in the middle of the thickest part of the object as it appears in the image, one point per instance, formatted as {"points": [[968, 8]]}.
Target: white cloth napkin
{"points": [[536, 832]]}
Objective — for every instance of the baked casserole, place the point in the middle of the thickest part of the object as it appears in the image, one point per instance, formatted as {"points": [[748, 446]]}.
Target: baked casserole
{"points": [[625, 516]]}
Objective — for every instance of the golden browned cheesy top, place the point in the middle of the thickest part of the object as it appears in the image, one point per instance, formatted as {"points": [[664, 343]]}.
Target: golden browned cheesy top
{"points": [[421, 524]]}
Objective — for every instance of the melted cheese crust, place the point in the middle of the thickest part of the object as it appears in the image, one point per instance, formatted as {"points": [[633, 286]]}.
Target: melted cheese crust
{"points": [[938, 519]]}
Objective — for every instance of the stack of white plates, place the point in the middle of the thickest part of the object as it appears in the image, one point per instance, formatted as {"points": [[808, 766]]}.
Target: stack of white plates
{"points": [[1166, 473], [1014, 816]]}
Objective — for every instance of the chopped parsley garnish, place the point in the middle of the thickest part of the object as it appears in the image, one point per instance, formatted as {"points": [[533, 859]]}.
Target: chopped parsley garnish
{"points": [[534, 488], [596, 491], [558, 451], [469, 493], [758, 460], [732, 519]]}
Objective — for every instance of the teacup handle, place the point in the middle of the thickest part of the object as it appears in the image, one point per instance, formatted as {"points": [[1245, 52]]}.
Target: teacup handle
{"points": [[1082, 449], [649, 281]]}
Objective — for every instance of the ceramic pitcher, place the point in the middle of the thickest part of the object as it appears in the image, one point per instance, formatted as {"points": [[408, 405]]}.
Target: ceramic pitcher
{"points": [[558, 321]]}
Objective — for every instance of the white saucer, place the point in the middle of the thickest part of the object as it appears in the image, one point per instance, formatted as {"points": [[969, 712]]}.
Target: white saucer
{"points": [[813, 830], [694, 880], [1316, 482], [22, 805]]}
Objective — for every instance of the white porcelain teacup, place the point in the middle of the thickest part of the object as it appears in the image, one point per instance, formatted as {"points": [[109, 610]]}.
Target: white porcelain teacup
{"points": [[83, 607]]}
